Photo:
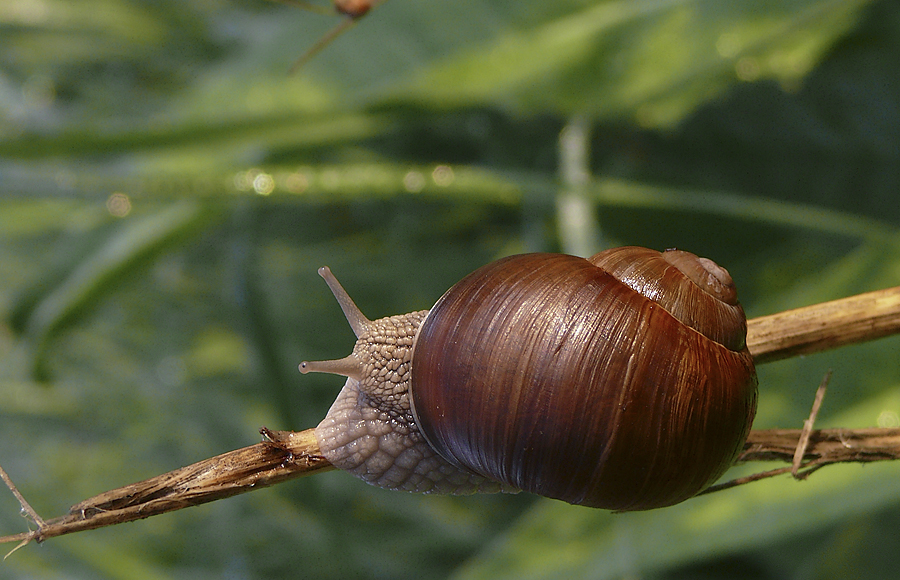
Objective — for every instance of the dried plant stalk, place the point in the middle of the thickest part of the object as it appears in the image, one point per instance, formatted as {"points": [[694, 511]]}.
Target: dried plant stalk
{"points": [[824, 326], [281, 456], [287, 455]]}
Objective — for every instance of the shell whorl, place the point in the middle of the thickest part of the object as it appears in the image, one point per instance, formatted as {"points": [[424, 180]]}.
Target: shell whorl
{"points": [[695, 290]]}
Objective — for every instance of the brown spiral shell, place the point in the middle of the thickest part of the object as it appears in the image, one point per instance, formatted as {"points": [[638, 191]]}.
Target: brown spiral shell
{"points": [[620, 382]]}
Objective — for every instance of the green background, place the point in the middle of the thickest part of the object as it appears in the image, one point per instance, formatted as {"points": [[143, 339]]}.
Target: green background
{"points": [[421, 144]]}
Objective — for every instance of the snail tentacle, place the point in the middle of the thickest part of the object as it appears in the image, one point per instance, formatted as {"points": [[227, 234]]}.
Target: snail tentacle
{"points": [[369, 430]]}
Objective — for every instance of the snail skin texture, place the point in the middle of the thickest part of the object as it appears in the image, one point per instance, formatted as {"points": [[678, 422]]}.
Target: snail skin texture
{"points": [[621, 381]]}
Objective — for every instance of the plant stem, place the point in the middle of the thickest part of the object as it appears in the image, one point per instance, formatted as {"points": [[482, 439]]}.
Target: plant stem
{"points": [[285, 455], [824, 326]]}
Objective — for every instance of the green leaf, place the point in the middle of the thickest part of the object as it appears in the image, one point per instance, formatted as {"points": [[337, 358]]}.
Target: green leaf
{"points": [[129, 248], [654, 61]]}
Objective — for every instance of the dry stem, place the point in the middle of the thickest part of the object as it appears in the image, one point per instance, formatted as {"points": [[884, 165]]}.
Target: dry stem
{"points": [[824, 326], [281, 456], [286, 455]]}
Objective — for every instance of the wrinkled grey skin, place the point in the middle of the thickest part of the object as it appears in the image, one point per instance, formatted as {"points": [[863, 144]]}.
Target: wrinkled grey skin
{"points": [[370, 430]]}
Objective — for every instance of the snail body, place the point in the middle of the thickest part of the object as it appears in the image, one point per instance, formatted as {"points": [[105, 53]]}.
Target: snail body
{"points": [[622, 381]]}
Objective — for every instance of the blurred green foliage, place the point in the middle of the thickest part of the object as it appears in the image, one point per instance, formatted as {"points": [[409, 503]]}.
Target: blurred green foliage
{"points": [[167, 193]]}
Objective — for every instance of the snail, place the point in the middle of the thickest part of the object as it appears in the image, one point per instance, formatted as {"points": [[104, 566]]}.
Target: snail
{"points": [[621, 381]]}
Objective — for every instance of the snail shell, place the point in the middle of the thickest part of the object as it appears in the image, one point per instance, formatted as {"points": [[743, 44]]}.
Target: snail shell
{"points": [[622, 382]]}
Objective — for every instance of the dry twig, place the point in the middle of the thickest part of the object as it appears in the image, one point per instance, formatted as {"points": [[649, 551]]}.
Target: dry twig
{"points": [[824, 326], [803, 444], [281, 456], [287, 455]]}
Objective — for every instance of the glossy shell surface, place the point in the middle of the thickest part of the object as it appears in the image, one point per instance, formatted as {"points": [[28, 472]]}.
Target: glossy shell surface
{"points": [[618, 382]]}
